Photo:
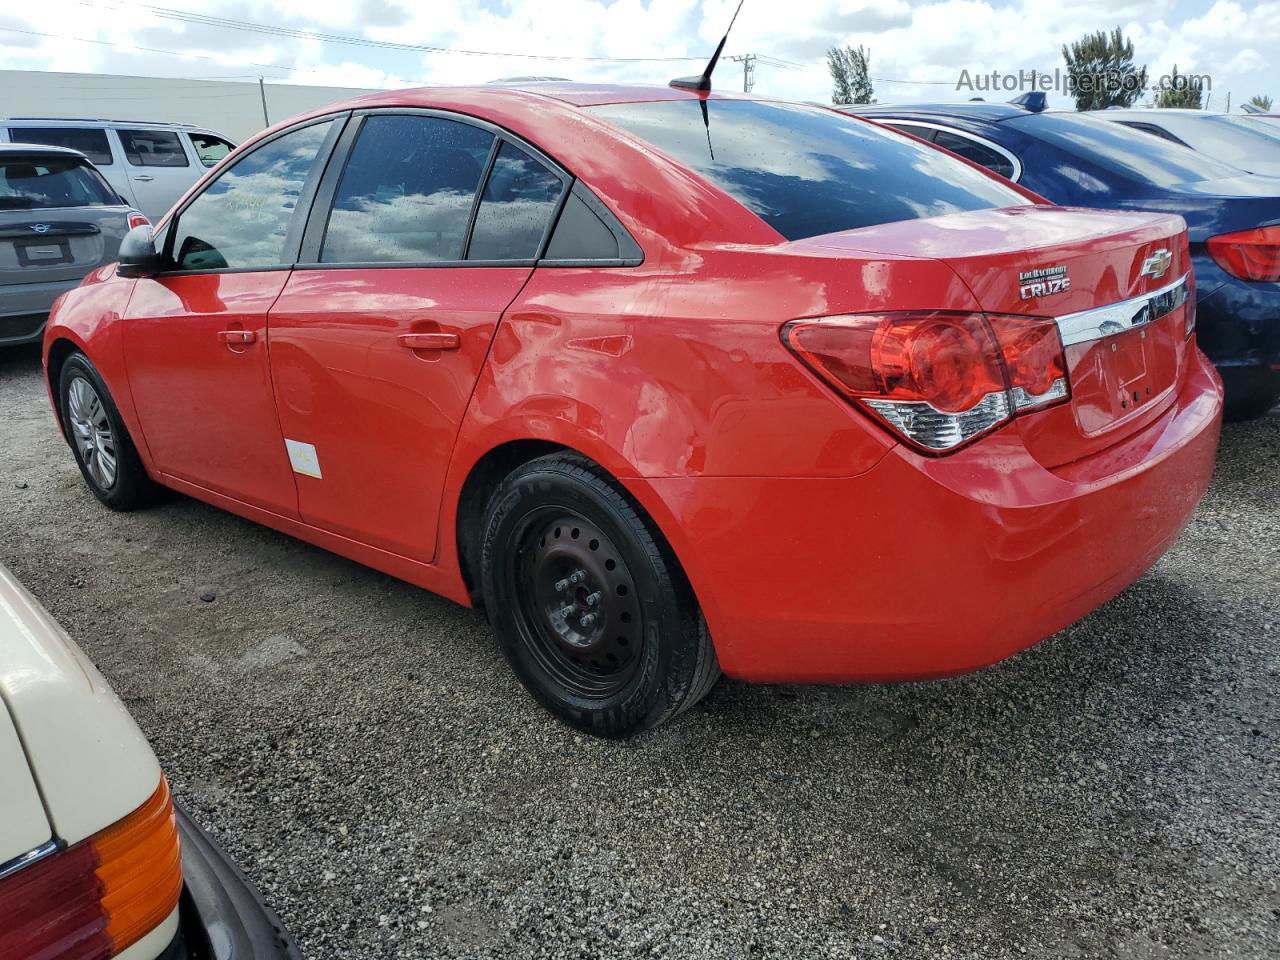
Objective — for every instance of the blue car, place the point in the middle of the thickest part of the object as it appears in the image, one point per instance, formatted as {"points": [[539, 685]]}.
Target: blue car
{"points": [[1077, 159]]}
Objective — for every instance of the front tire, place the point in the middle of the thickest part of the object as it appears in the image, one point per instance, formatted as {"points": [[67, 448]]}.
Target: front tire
{"points": [[589, 605], [103, 449]]}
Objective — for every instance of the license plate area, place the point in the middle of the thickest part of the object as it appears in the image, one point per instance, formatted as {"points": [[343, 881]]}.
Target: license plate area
{"points": [[43, 253], [1118, 376]]}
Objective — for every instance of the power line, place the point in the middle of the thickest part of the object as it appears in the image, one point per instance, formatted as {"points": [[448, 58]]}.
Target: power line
{"points": [[183, 16], [289, 32]]}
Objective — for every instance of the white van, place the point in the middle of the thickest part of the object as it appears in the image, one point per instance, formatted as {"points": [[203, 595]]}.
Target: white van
{"points": [[149, 164]]}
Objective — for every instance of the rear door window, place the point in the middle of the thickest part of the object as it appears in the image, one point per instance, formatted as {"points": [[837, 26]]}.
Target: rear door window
{"points": [[50, 182], [807, 171], [90, 141], [407, 191], [153, 148], [210, 149], [242, 220], [979, 153], [516, 208]]}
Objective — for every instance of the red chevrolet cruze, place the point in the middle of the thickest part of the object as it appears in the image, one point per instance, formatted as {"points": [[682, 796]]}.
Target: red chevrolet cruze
{"points": [[671, 383]]}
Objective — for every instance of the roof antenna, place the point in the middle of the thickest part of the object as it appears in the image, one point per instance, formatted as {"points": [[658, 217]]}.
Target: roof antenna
{"points": [[704, 82]]}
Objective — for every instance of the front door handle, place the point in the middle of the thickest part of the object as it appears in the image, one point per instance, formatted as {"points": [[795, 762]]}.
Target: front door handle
{"points": [[430, 341], [237, 337], [146, 177]]}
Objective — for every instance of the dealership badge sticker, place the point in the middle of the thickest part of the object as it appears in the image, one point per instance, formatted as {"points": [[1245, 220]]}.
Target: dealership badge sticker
{"points": [[1156, 265], [303, 458], [1043, 282]]}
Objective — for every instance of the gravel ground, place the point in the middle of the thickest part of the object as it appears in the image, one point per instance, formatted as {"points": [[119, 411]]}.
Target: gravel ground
{"points": [[362, 750]]}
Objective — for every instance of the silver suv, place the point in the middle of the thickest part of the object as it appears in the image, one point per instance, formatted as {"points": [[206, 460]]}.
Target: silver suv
{"points": [[59, 218], [151, 165]]}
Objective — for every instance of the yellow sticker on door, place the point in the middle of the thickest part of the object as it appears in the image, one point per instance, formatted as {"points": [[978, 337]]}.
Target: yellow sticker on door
{"points": [[303, 458]]}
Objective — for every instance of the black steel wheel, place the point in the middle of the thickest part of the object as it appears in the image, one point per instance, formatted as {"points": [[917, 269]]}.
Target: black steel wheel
{"points": [[577, 605], [589, 605]]}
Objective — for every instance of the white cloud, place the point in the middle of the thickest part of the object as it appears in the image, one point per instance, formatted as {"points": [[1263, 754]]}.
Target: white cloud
{"points": [[932, 40]]}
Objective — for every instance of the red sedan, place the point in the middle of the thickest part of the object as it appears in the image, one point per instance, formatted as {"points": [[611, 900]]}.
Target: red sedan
{"points": [[670, 383]]}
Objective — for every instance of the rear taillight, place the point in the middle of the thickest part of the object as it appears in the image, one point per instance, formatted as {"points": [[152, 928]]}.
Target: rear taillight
{"points": [[138, 220], [938, 379], [1248, 254], [96, 898]]}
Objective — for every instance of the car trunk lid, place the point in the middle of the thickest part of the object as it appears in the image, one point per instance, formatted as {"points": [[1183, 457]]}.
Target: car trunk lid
{"points": [[1113, 282], [61, 246]]}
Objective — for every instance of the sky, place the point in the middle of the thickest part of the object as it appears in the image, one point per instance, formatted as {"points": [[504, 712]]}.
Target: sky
{"points": [[920, 49]]}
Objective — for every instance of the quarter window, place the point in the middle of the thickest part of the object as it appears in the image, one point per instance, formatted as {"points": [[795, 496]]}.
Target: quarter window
{"points": [[515, 209], [924, 133], [153, 148], [972, 150], [242, 220], [92, 143], [210, 149], [407, 191]]}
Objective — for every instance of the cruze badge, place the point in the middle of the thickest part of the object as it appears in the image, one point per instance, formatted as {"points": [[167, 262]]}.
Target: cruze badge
{"points": [[1043, 282], [1157, 265]]}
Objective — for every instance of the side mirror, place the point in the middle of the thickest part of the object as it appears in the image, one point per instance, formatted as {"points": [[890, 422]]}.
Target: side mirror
{"points": [[138, 256]]}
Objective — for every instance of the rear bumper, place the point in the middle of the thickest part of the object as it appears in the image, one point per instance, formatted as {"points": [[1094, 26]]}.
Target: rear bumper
{"points": [[223, 917], [24, 307], [927, 567]]}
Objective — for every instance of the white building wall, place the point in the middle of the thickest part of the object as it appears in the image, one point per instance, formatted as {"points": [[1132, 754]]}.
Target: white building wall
{"points": [[233, 108]]}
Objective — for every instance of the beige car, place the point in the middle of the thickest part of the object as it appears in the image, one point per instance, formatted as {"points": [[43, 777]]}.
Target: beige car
{"points": [[96, 861]]}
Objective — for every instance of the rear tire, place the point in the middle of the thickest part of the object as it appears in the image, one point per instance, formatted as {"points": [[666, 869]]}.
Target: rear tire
{"points": [[589, 605], [99, 440]]}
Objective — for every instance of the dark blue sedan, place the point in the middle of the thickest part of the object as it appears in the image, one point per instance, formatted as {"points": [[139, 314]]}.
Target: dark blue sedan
{"points": [[1080, 160]]}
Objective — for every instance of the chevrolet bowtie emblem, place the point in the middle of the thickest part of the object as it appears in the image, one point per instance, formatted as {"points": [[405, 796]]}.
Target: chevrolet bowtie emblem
{"points": [[1156, 265]]}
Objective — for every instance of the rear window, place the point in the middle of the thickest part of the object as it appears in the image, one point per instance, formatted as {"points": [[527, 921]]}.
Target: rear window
{"points": [[805, 171], [1125, 152], [44, 182], [153, 148], [92, 143]]}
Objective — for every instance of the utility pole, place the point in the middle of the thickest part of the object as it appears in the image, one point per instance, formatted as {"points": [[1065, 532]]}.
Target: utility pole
{"points": [[1228, 101], [262, 91], [748, 61]]}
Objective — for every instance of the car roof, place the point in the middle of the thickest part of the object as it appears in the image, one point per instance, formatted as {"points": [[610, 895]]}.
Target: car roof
{"points": [[26, 149], [978, 110], [104, 122], [569, 92]]}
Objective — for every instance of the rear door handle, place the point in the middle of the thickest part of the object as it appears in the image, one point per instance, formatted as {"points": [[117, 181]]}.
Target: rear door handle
{"points": [[237, 336], [145, 176], [430, 341]]}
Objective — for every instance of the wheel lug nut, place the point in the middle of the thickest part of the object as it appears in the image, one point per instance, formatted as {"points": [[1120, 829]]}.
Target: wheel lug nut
{"points": [[593, 599], [562, 586], [588, 619], [577, 576]]}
